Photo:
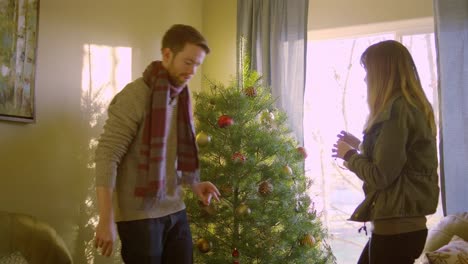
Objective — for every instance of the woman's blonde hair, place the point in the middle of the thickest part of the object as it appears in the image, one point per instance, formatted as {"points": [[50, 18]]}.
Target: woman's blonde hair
{"points": [[391, 71]]}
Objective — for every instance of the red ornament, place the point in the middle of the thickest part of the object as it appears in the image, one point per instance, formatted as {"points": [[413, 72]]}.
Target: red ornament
{"points": [[235, 256], [250, 91], [235, 253], [302, 151], [238, 157], [225, 121]]}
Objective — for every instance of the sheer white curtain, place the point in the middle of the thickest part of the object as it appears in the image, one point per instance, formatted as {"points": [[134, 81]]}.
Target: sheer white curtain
{"points": [[276, 37], [451, 17]]}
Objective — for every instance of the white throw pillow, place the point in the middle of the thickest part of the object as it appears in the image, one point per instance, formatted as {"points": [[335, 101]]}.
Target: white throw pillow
{"points": [[455, 252], [443, 232]]}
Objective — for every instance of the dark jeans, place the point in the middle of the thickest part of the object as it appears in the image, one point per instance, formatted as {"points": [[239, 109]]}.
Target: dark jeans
{"points": [[402, 248], [164, 240]]}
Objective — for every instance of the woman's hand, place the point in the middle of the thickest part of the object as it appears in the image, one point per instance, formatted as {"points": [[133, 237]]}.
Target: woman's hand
{"points": [[340, 149], [349, 138]]}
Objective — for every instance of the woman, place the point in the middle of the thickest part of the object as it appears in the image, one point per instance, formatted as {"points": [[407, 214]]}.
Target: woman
{"points": [[397, 159]]}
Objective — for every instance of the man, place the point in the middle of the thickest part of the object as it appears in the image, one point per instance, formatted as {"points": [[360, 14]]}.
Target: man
{"points": [[145, 154]]}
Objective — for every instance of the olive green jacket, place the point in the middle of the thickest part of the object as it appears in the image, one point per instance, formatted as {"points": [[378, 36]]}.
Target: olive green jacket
{"points": [[398, 165]]}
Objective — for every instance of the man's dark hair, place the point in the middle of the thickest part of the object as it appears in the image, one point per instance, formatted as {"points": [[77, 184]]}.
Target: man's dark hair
{"points": [[178, 35]]}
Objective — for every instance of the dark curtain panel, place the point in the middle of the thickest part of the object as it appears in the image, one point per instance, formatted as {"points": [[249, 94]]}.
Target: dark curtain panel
{"points": [[275, 32]]}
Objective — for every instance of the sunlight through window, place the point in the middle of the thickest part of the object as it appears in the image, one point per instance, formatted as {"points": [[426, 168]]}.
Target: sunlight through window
{"points": [[106, 70]]}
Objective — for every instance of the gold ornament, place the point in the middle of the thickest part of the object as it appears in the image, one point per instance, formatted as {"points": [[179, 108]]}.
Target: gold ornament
{"points": [[265, 188], [207, 210], [308, 240], [243, 210], [203, 245], [287, 170], [203, 139]]}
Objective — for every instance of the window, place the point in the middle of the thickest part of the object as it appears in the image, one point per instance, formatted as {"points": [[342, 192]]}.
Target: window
{"points": [[335, 100]]}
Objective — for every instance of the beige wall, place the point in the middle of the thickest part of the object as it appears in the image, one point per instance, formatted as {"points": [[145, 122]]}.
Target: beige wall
{"points": [[43, 165], [219, 26], [325, 14]]}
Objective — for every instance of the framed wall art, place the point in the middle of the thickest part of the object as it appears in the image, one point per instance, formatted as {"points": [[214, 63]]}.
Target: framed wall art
{"points": [[19, 23]]}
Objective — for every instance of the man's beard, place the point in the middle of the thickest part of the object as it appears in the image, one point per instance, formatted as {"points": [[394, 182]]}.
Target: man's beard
{"points": [[177, 81]]}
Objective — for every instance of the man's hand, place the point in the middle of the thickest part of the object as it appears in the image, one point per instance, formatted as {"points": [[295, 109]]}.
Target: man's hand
{"points": [[105, 230], [105, 237], [205, 192]]}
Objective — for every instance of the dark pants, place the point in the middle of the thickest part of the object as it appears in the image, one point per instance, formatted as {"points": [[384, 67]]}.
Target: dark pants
{"points": [[164, 240], [402, 248]]}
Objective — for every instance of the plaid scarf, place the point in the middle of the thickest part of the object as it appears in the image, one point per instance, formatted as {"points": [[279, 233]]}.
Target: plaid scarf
{"points": [[152, 165]]}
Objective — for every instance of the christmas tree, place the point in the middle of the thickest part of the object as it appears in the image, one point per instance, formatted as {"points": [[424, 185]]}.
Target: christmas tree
{"points": [[246, 150]]}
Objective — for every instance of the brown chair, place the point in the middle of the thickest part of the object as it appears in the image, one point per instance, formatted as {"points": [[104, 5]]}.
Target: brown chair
{"points": [[24, 236]]}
